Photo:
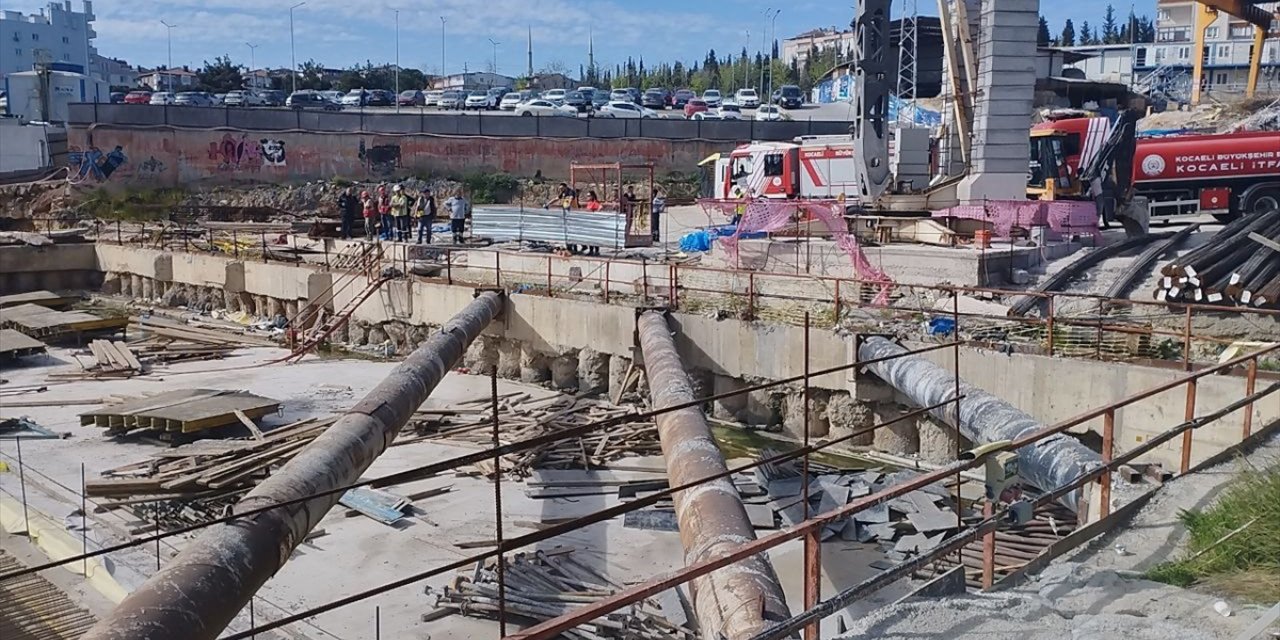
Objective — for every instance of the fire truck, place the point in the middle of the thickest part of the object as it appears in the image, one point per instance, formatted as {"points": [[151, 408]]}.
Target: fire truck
{"points": [[808, 167], [1225, 175]]}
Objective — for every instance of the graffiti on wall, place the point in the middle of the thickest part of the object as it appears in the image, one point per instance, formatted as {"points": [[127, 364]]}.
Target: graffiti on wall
{"points": [[93, 163], [240, 153], [150, 167], [380, 159]]}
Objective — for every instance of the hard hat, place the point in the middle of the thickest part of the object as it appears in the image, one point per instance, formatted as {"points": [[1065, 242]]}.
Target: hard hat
{"points": [[397, 188]]}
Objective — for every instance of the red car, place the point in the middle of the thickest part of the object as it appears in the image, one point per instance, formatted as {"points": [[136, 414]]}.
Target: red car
{"points": [[695, 106], [138, 97]]}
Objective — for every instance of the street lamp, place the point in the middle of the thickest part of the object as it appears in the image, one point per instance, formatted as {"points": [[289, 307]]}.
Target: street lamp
{"points": [[495, 55], [169, 72], [397, 12], [293, 57], [773, 38], [764, 33], [443, 74], [253, 65]]}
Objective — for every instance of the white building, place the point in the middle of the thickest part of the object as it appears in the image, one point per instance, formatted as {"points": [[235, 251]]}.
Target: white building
{"points": [[797, 49], [474, 81], [1228, 46], [1106, 62], [166, 79], [113, 71], [57, 35]]}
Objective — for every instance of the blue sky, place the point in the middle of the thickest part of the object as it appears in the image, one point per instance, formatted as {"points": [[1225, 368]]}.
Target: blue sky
{"points": [[340, 33]]}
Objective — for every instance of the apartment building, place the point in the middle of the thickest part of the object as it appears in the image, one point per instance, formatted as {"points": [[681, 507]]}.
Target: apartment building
{"points": [[57, 35], [1228, 47]]}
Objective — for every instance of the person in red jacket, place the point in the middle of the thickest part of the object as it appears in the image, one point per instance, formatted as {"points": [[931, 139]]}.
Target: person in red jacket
{"points": [[370, 215]]}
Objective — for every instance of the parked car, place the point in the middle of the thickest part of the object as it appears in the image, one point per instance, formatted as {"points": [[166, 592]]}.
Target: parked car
{"points": [[624, 109], [707, 115], [311, 100], [599, 99], [137, 97], [478, 100], [730, 111], [682, 97], [588, 92], [194, 99], [243, 98], [220, 98], [452, 100], [634, 93], [654, 99], [712, 97], [117, 97], [747, 98], [161, 97], [771, 113], [544, 107], [411, 98], [431, 98], [273, 98], [554, 94], [380, 98], [578, 101], [495, 95], [695, 105], [510, 101], [332, 96], [789, 97], [619, 94], [355, 98]]}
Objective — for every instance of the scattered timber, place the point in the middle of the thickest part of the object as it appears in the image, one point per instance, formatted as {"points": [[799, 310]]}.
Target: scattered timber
{"points": [[46, 324], [14, 345], [181, 411], [544, 585]]}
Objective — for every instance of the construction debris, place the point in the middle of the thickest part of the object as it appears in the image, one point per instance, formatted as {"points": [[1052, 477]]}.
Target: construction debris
{"points": [[32, 608], [522, 418], [544, 585], [46, 299], [1240, 265], [44, 323], [179, 412]]}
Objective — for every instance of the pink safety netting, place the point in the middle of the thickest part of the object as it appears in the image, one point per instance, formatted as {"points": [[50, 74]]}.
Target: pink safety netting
{"points": [[765, 215], [1062, 217]]}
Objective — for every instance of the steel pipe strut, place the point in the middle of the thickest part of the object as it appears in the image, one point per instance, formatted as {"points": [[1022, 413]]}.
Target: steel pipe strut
{"points": [[740, 600], [201, 590], [984, 418]]}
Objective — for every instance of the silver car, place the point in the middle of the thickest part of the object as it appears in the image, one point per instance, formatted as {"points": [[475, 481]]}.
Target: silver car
{"points": [[452, 100]]}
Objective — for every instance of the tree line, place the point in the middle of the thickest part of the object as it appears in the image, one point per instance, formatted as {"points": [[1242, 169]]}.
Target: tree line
{"points": [[1135, 30]]}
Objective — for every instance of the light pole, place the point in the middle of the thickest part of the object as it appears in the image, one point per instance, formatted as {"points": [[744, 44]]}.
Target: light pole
{"points": [[253, 65], [169, 71], [764, 33], [773, 38], [495, 55], [443, 74], [293, 57], [397, 11]]}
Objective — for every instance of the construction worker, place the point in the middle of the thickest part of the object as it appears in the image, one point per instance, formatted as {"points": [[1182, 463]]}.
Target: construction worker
{"points": [[384, 210], [400, 213], [426, 213], [370, 209], [348, 208], [457, 207]]}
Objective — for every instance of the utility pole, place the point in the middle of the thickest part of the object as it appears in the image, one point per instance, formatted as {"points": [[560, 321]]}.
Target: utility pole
{"points": [[773, 37], [397, 11], [764, 33], [168, 73], [443, 74], [495, 55], [529, 71], [293, 57], [591, 54]]}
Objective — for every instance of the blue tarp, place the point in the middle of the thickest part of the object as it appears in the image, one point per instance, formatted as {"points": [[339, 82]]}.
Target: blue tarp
{"points": [[840, 90]]}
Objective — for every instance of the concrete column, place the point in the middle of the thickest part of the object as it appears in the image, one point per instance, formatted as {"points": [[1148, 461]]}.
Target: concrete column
{"points": [[148, 289], [846, 415], [564, 371], [900, 438], [618, 367], [377, 335], [593, 372], [937, 442], [732, 407], [535, 367], [136, 288], [111, 284], [482, 357], [794, 410], [509, 359]]}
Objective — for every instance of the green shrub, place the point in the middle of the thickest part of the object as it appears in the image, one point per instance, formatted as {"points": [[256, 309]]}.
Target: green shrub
{"points": [[491, 188]]}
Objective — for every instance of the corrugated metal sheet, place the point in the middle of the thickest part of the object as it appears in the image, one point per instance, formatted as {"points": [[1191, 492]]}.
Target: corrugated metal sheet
{"points": [[591, 228]]}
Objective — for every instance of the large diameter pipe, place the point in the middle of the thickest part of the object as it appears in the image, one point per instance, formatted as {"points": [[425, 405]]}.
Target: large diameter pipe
{"points": [[984, 418], [201, 590], [740, 600]]}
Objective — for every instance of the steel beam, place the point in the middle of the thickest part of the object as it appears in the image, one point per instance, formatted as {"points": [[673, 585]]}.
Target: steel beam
{"points": [[984, 418], [740, 600], [201, 590]]}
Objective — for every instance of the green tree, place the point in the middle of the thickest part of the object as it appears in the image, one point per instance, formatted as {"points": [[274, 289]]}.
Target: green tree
{"points": [[1042, 35], [1068, 37], [1086, 34], [220, 76], [311, 76], [1110, 34]]}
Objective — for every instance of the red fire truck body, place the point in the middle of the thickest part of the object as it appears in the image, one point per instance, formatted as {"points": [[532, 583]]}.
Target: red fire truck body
{"points": [[1221, 174]]}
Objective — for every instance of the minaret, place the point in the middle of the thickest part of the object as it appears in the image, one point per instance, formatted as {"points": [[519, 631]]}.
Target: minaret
{"points": [[591, 52], [530, 71]]}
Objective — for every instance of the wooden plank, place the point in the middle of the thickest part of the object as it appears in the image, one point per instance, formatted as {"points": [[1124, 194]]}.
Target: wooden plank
{"points": [[248, 424], [128, 358]]}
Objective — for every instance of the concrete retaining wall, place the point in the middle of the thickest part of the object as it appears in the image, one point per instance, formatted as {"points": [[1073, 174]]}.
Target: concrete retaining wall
{"points": [[164, 156], [54, 267]]}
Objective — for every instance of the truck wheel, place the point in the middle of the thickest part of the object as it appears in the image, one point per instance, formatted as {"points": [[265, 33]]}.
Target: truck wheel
{"points": [[1262, 201]]}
